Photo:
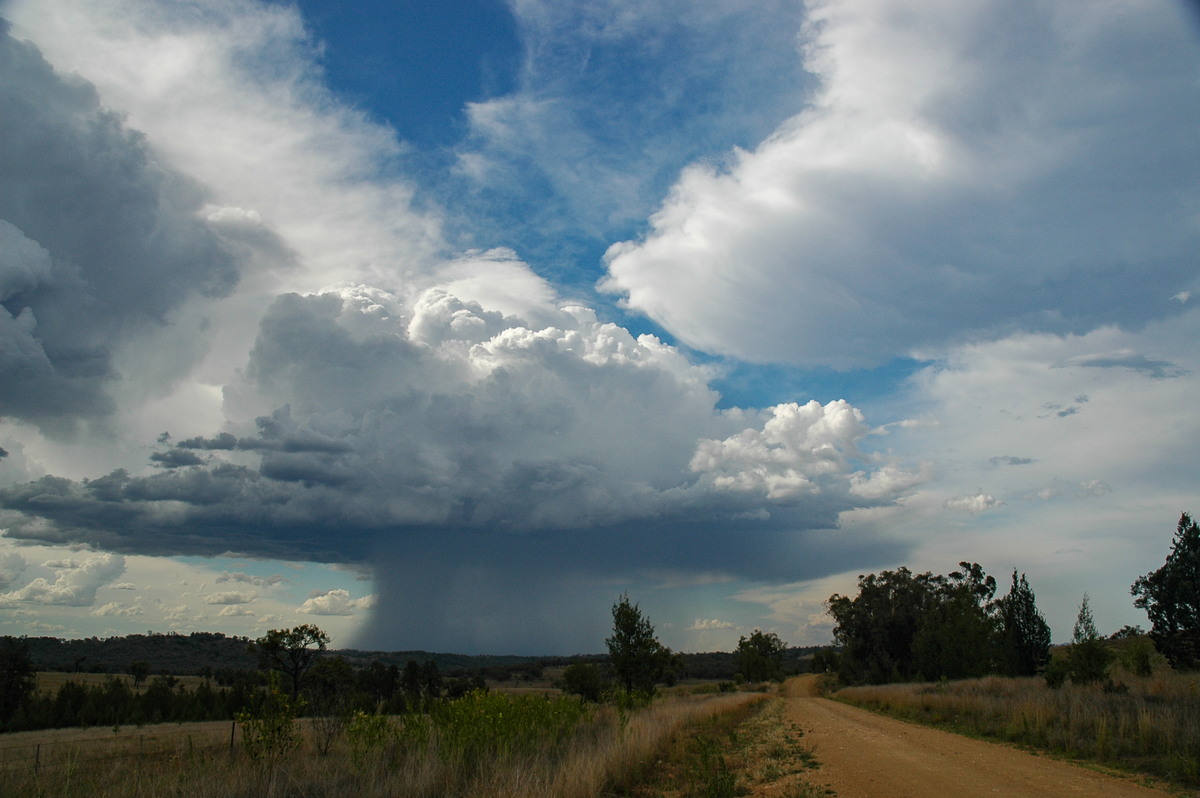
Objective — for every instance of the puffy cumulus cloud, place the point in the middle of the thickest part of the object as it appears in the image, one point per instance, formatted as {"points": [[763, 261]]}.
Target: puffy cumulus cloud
{"points": [[100, 246], [115, 609], [964, 171], [709, 624], [335, 602], [230, 597], [74, 585], [796, 445], [251, 579], [235, 611], [976, 503]]}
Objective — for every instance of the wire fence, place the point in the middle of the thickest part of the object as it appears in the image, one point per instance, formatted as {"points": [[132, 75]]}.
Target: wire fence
{"points": [[68, 750]]}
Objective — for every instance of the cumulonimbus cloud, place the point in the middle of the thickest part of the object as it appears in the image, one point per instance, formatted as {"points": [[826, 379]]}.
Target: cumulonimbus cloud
{"points": [[441, 415], [91, 229]]}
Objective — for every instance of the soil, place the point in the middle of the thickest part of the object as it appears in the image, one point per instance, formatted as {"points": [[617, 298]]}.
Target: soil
{"points": [[865, 755]]}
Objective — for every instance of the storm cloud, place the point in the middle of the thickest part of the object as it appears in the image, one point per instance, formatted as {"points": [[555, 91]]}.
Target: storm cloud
{"points": [[237, 324], [393, 423], [99, 244]]}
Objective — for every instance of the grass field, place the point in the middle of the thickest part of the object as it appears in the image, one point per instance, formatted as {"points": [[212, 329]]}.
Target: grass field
{"points": [[50, 681], [604, 750]]}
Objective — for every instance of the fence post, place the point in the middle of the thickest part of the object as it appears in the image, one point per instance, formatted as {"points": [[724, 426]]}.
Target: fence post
{"points": [[37, 758], [232, 730]]}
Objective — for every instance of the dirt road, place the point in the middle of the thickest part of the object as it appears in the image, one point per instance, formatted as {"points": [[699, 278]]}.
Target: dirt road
{"points": [[864, 755]]}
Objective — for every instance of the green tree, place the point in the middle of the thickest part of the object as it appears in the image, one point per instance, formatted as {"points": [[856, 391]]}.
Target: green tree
{"points": [[1089, 655], [638, 659], [1025, 635], [759, 657], [584, 680], [1171, 598], [956, 636], [290, 652], [17, 676], [874, 630], [139, 671]]}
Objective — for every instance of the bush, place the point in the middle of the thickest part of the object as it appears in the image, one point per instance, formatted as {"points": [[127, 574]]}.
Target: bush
{"points": [[584, 680]]}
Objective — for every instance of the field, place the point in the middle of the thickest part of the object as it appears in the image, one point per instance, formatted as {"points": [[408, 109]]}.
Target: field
{"points": [[1142, 724], [491, 745], [50, 681]]}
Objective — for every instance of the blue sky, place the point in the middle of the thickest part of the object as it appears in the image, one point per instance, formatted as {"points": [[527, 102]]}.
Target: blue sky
{"points": [[444, 326]]}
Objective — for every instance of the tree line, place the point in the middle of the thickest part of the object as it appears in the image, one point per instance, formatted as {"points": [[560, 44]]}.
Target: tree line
{"points": [[320, 684], [904, 627]]}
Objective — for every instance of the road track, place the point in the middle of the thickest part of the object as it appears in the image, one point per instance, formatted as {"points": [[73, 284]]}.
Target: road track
{"points": [[866, 755]]}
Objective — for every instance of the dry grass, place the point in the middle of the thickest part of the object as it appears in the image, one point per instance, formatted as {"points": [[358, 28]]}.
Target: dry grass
{"points": [[1147, 724], [605, 753], [50, 681]]}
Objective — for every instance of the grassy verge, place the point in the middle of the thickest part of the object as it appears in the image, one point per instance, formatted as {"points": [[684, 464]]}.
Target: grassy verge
{"points": [[1145, 725], [752, 749]]}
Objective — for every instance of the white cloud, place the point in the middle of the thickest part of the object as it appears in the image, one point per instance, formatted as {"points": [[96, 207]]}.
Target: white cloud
{"points": [[797, 449], [209, 83], [230, 597], [335, 602], [234, 611], [709, 624], [75, 584], [115, 609], [975, 503], [250, 579], [962, 172]]}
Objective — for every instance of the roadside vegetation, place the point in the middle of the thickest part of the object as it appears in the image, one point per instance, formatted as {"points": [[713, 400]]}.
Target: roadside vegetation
{"points": [[1145, 724], [940, 650]]}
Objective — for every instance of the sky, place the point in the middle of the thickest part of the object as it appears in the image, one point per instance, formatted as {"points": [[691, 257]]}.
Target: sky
{"points": [[442, 326]]}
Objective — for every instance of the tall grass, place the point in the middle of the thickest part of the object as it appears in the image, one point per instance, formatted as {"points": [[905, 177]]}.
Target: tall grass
{"points": [[488, 747], [1145, 724]]}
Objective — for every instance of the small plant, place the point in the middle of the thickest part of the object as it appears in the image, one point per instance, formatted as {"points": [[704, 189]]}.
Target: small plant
{"points": [[269, 734], [713, 779], [367, 734]]}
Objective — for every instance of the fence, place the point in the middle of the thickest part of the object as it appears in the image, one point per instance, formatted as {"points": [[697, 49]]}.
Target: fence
{"points": [[69, 749]]}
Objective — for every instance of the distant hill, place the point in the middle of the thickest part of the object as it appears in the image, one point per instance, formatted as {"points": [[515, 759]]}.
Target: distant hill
{"points": [[172, 653], [213, 652]]}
